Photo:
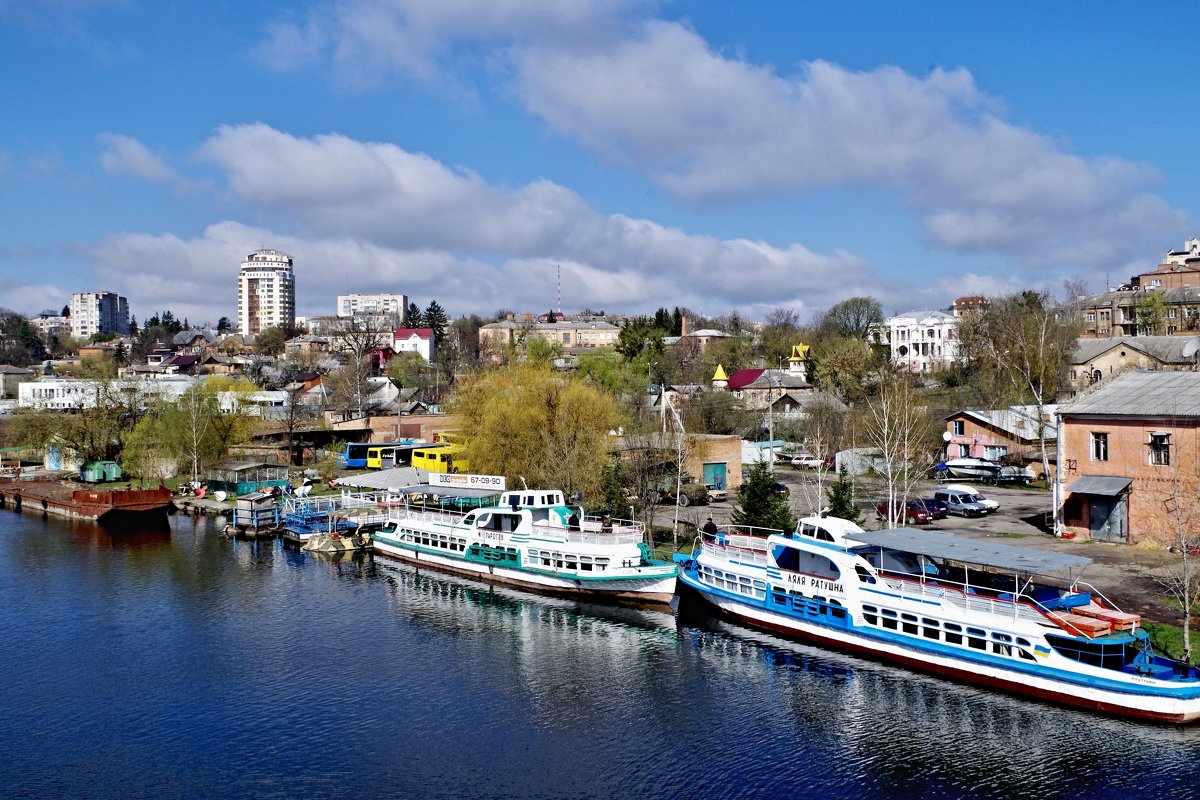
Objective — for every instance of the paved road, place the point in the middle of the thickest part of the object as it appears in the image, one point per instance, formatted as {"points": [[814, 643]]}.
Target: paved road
{"points": [[1130, 576]]}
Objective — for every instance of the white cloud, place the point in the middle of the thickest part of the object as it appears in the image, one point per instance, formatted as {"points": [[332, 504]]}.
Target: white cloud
{"points": [[124, 155], [400, 202], [654, 95]]}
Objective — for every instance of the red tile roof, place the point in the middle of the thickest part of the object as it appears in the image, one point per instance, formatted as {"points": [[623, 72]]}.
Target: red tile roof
{"points": [[743, 378]]}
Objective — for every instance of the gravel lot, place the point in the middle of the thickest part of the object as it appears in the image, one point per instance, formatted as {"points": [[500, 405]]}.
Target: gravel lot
{"points": [[1129, 576]]}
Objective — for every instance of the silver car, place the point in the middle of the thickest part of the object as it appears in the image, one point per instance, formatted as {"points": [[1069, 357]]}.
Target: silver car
{"points": [[961, 503]]}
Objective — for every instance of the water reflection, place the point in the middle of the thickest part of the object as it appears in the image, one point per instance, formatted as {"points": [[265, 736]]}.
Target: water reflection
{"points": [[209, 666]]}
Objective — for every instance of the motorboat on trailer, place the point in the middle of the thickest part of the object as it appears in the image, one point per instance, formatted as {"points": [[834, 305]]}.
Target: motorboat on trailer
{"points": [[979, 469], [1010, 618], [535, 540]]}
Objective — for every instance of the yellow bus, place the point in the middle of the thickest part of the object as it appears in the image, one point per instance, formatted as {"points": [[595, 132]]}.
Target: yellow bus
{"points": [[442, 457], [391, 454]]}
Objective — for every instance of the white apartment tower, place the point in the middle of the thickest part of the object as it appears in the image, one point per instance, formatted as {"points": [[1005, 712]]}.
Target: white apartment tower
{"points": [[350, 305], [98, 312], [266, 292]]}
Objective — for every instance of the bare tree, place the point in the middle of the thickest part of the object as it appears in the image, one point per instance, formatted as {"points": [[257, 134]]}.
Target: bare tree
{"points": [[1021, 344], [356, 338], [900, 427]]}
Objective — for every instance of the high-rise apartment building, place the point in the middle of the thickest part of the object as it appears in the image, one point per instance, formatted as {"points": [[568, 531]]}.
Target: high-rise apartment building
{"points": [[349, 305], [98, 312], [266, 292]]}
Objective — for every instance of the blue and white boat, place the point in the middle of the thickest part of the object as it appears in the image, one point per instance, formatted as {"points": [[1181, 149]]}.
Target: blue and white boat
{"points": [[1010, 618], [533, 539]]}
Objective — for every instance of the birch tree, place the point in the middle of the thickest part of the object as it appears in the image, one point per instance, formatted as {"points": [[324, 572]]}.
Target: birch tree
{"points": [[897, 424]]}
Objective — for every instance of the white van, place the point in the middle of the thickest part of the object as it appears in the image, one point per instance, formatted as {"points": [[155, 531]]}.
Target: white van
{"points": [[991, 505]]}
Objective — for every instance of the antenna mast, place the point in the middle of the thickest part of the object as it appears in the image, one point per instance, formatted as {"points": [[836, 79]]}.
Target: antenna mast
{"points": [[558, 289]]}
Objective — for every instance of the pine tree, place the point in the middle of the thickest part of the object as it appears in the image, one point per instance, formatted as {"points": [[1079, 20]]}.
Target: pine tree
{"points": [[435, 317], [841, 498], [758, 505], [413, 317]]}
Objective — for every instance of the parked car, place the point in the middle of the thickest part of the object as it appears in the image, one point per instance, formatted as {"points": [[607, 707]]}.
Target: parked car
{"points": [[780, 489], [716, 494], [992, 505], [936, 508], [912, 513], [807, 461], [961, 503], [830, 463]]}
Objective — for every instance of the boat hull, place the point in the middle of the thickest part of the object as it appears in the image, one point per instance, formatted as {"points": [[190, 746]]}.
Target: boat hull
{"points": [[1150, 708], [68, 500], [656, 588]]}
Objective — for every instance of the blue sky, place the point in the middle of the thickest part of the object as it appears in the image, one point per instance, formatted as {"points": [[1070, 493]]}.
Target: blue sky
{"points": [[713, 155]]}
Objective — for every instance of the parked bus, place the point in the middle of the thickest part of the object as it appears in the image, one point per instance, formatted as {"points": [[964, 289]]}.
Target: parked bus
{"points": [[386, 456], [440, 457], [356, 453]]}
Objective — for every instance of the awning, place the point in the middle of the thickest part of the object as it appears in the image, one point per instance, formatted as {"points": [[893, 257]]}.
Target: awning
{"points": [[970, 551], [1106, 485]]}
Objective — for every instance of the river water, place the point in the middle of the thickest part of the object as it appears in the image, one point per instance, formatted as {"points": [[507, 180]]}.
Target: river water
{"points": [[178, 663]]}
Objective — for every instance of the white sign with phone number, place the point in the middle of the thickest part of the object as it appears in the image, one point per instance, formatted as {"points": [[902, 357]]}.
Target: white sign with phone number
{"points": [[494, 482]]}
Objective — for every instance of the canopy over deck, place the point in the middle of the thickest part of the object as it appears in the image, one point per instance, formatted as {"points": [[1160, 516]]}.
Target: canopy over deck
{"points": [[970, 551]]}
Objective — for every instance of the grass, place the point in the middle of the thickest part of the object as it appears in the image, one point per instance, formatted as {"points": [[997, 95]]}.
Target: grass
{"points": [[1167, 639]]}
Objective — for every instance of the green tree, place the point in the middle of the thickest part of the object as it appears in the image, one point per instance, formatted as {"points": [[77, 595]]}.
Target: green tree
{"points": [[1150, 313], [413, 318], [758, 505], [525, 421], [841, 499], [270, 341], [639, 335], [408, 370], [224, 325], [435, 318], [189, 434]]}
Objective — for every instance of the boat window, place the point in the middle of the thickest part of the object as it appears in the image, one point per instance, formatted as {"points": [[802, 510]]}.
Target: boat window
{"points": [[1001, 637], [1022, 641], [794, 560], [929, 628], [975, 639], [863, 575], [909, 617], [1001, 649], [601, 563]]}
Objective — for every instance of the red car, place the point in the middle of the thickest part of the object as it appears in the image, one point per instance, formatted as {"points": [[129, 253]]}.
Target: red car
{"points": [[913, 513]]}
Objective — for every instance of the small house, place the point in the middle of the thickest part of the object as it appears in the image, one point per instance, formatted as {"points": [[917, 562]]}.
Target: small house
{"points": [[245, 477]]}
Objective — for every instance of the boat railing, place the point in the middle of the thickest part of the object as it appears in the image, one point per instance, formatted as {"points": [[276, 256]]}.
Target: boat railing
{"points": [[324, 504], [735, 544], [417, 514], [596, 531], [967, 597]]}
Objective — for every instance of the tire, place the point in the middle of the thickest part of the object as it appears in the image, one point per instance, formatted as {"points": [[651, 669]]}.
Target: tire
{"points": [[684, 500], [910, 520]]}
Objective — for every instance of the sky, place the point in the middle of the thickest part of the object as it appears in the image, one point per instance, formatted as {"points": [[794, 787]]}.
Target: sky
{"points": [[572, 154]]}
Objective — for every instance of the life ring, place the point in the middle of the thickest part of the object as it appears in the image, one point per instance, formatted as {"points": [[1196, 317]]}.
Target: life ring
{"points": [[334, 536]]}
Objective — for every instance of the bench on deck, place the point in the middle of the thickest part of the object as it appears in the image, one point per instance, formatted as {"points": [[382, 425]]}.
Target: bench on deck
{"points": [[1119, 620], [1077, 624]]}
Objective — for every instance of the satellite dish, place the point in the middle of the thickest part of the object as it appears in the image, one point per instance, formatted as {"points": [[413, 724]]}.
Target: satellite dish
{"points": [[1192, 347], [946, 436]]}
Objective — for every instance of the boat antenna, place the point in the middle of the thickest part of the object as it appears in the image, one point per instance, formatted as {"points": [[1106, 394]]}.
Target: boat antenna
{"points": [[523, 483]]}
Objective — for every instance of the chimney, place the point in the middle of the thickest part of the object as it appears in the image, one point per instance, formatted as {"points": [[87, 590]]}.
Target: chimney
{"points": [[683, 327]]}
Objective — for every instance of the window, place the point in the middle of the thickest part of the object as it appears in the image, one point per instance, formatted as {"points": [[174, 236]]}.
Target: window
{"points": [[964, 451], [995, 452], [1099, 446], [1160, 449], [960, 427]]}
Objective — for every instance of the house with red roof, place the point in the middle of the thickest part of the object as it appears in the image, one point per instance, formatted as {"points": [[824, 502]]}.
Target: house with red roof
{"points": [[414, 340]]}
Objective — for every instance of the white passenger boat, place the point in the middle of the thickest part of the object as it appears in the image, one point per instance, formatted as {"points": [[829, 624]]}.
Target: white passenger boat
{"points": [[1011, 618], [533, 539]]}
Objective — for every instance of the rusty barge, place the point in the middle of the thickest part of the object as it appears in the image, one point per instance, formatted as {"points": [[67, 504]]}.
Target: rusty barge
{"points": [[73, 500]]}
